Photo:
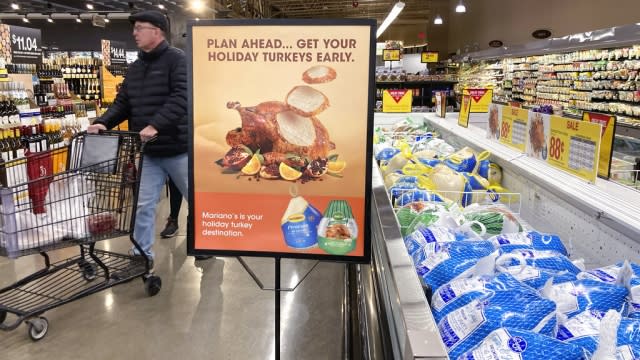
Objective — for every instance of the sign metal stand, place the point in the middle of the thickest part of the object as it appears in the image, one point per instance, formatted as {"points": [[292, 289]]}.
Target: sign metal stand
{"points": [[277, 289]]}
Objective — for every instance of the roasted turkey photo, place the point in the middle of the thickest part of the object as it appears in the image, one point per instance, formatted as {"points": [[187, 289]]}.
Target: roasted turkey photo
{"points": [[284, 140]]}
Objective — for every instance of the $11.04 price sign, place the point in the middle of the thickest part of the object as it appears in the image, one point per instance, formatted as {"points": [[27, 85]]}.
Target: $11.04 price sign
{"points": [[25, 45]]}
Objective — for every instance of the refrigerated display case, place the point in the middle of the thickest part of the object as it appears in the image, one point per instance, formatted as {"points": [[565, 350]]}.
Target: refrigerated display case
{"points": [[598, 222]]}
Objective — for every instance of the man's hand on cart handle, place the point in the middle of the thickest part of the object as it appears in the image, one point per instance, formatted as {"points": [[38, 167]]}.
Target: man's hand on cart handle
{"points": [[148, 133], [96, 128]]}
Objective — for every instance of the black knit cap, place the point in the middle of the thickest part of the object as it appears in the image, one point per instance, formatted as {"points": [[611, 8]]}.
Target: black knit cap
{"points": [[154, 17]]}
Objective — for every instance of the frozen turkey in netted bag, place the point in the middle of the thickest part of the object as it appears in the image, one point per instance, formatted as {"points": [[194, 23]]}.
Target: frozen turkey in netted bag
{"points": [[461, 291], [586, 331], [520, 308], [446, 261], [575, 297], [508, 344], [529, 240]]}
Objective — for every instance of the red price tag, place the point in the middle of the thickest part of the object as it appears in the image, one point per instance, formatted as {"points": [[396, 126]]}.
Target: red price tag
{"points": [[556, 148]]}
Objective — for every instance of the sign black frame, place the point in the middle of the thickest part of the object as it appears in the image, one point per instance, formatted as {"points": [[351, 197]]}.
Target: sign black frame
{"points": [[366, 236]]}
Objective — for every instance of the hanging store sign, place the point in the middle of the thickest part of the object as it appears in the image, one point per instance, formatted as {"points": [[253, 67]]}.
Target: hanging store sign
{"points": [[480, 99], [608, 123], [20, 45], [275, 106], [465, 106], [429, 57], [397, 100], [513, 126]]}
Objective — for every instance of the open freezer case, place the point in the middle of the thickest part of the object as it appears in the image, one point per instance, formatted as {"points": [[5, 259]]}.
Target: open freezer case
{"points": [[599, 223]]}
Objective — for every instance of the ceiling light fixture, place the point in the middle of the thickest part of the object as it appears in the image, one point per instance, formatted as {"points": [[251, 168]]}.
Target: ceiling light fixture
{"points": [[89, 6], [197, 19], [197, 5], [49, 19], [15, 6], [438, 20], [78, 20], [461, 8], [106, 20], [160, 6], [393, 14], [24, 19]]}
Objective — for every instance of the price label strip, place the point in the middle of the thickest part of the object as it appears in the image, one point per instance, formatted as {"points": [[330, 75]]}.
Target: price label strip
{"points": [[574, 147]]}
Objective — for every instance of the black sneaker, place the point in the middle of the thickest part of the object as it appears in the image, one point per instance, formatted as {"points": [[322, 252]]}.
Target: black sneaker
{"points": [[171, 229]]}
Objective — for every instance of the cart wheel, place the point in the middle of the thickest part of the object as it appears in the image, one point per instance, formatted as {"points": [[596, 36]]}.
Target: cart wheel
{"points": [[152, 285], [3, 316], [89, 271], [38, 328]]}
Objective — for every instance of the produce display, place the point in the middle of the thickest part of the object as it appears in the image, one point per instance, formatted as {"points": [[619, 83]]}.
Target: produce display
{"points": [[501, 289]]}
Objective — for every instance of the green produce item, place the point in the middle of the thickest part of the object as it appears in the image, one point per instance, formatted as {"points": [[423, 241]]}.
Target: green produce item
{"points": [[496, 222], [426, 218]]}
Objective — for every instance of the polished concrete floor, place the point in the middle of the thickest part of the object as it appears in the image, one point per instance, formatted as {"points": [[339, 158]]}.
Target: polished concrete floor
{"points": [[208, 309]]}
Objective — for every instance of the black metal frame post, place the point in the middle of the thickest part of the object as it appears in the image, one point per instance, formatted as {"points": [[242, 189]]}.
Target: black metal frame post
{"points": [[277, 289], [277, 295]]}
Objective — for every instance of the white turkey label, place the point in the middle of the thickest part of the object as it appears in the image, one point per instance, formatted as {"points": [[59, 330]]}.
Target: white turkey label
{"points": [[436, 259], [453, 290], [607, 274], [625, 353], [496, 347], [581, 325], [458, 325], [528, 273], [512, 239], [538, 254], [564, 295]]}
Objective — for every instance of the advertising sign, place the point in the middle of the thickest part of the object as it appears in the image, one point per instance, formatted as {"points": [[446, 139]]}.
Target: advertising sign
{"points": [[113, 52], [494, 124], [391, 55], [429, 57], [608, 123], [480, 99], [441, 103], [20, 45], [465, 106], [397, 100], [513, 127], [275, 106], [568, 144]]}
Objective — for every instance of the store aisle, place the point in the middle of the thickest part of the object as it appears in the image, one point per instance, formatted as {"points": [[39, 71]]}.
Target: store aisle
{"points": [[208, 309]]}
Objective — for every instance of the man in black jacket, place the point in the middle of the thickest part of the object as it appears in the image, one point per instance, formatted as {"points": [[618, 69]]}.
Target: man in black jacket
{"points": [[153, 97]]}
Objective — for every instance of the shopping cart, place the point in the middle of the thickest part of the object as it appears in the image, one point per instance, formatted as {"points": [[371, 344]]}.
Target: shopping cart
{"points": [[75, 195]]}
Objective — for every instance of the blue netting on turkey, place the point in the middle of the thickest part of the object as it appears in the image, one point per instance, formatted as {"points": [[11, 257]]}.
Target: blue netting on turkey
{"points": [[537, 278], [577, 296], [466, 327], [584, 330], [543, 260], [450, 260], [421, 248], [529, 240], [460, 292], [505, 343], [609, 273], [634, 298]]}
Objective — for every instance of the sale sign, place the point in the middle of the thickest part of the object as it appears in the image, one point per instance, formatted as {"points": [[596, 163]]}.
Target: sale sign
{"points": [[465, 106], [275, 108], [20, 45], [480, 99], [574, 146], [513, 127], [429, 57], [396, 100], [608, 123]]}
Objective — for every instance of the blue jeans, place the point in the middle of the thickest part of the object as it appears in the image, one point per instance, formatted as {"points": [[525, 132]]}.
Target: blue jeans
{"points": [[153, 177]]}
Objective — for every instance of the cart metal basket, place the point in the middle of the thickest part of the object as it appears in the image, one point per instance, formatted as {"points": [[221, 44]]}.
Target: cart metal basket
{"points": [[73, 195]]}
